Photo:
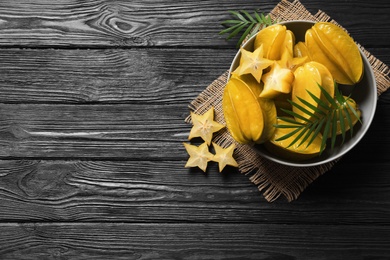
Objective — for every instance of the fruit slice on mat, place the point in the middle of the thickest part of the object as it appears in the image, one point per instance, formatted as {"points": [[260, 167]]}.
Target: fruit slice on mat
{"points": [[199, 156], [297, 151], [204, 126], [333, 47], [307, 79], [224, 156], [272, 38]]}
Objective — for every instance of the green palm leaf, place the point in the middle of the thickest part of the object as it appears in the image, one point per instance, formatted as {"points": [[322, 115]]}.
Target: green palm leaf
{"points": [[244, 21], [325, 116]]}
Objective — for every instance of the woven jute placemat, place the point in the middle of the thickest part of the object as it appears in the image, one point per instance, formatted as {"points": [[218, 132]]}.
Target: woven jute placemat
{"points": [[273, 179]]}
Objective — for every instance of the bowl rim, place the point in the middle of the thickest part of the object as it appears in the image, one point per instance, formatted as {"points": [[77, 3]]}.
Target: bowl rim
{"points": [[357, 139]]}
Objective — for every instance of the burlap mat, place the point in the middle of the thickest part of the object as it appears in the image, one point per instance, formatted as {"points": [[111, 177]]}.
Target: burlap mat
{"points": [[271, 178]]}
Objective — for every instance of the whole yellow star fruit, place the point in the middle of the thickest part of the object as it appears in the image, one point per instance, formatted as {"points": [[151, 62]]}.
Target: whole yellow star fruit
{"points": [[300, 50], [295, 152], [333, 47], [268, 107], [272, 38], [307, 78], [242, 112], [343, 117], [289, 42], [249, 118]]}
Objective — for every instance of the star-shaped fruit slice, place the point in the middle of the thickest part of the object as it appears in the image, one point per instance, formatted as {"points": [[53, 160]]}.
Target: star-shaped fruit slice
{"points": [[253, 63], [199, 156], [278, 80], [224, 156], [204, 126]]}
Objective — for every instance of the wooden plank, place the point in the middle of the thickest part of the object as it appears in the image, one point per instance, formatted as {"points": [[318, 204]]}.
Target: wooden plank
{"points": [[108, 76], [192, 241], [165, 191], [160, 23], [122, 131], [119, 23], [113, 75], [111, 131]]}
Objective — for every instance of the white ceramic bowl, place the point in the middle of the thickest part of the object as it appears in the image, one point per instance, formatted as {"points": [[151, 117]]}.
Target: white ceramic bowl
{"points": [[365, 95]]}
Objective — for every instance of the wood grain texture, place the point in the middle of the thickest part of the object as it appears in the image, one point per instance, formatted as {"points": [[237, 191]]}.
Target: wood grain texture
{"points": [[164, 191], [118, 23], [111, 131], [125, 131], [144, 76], [108, 76], [160, 23], [192, 241]]}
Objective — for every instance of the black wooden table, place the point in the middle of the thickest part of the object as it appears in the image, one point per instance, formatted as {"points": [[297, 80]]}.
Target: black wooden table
{"points": [[93, 97]]}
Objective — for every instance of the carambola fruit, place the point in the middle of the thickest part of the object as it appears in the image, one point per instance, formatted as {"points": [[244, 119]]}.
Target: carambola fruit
{"points": [[330, 45]]}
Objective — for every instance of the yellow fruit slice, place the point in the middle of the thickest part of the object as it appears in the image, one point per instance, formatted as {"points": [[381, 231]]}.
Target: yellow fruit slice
{"points": [[199, 156], [277, 81], [224, 156], [294, 152], [307, 78], [252, 63], [333, 47], [204, 126], [272, 39], [242, 111]]}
